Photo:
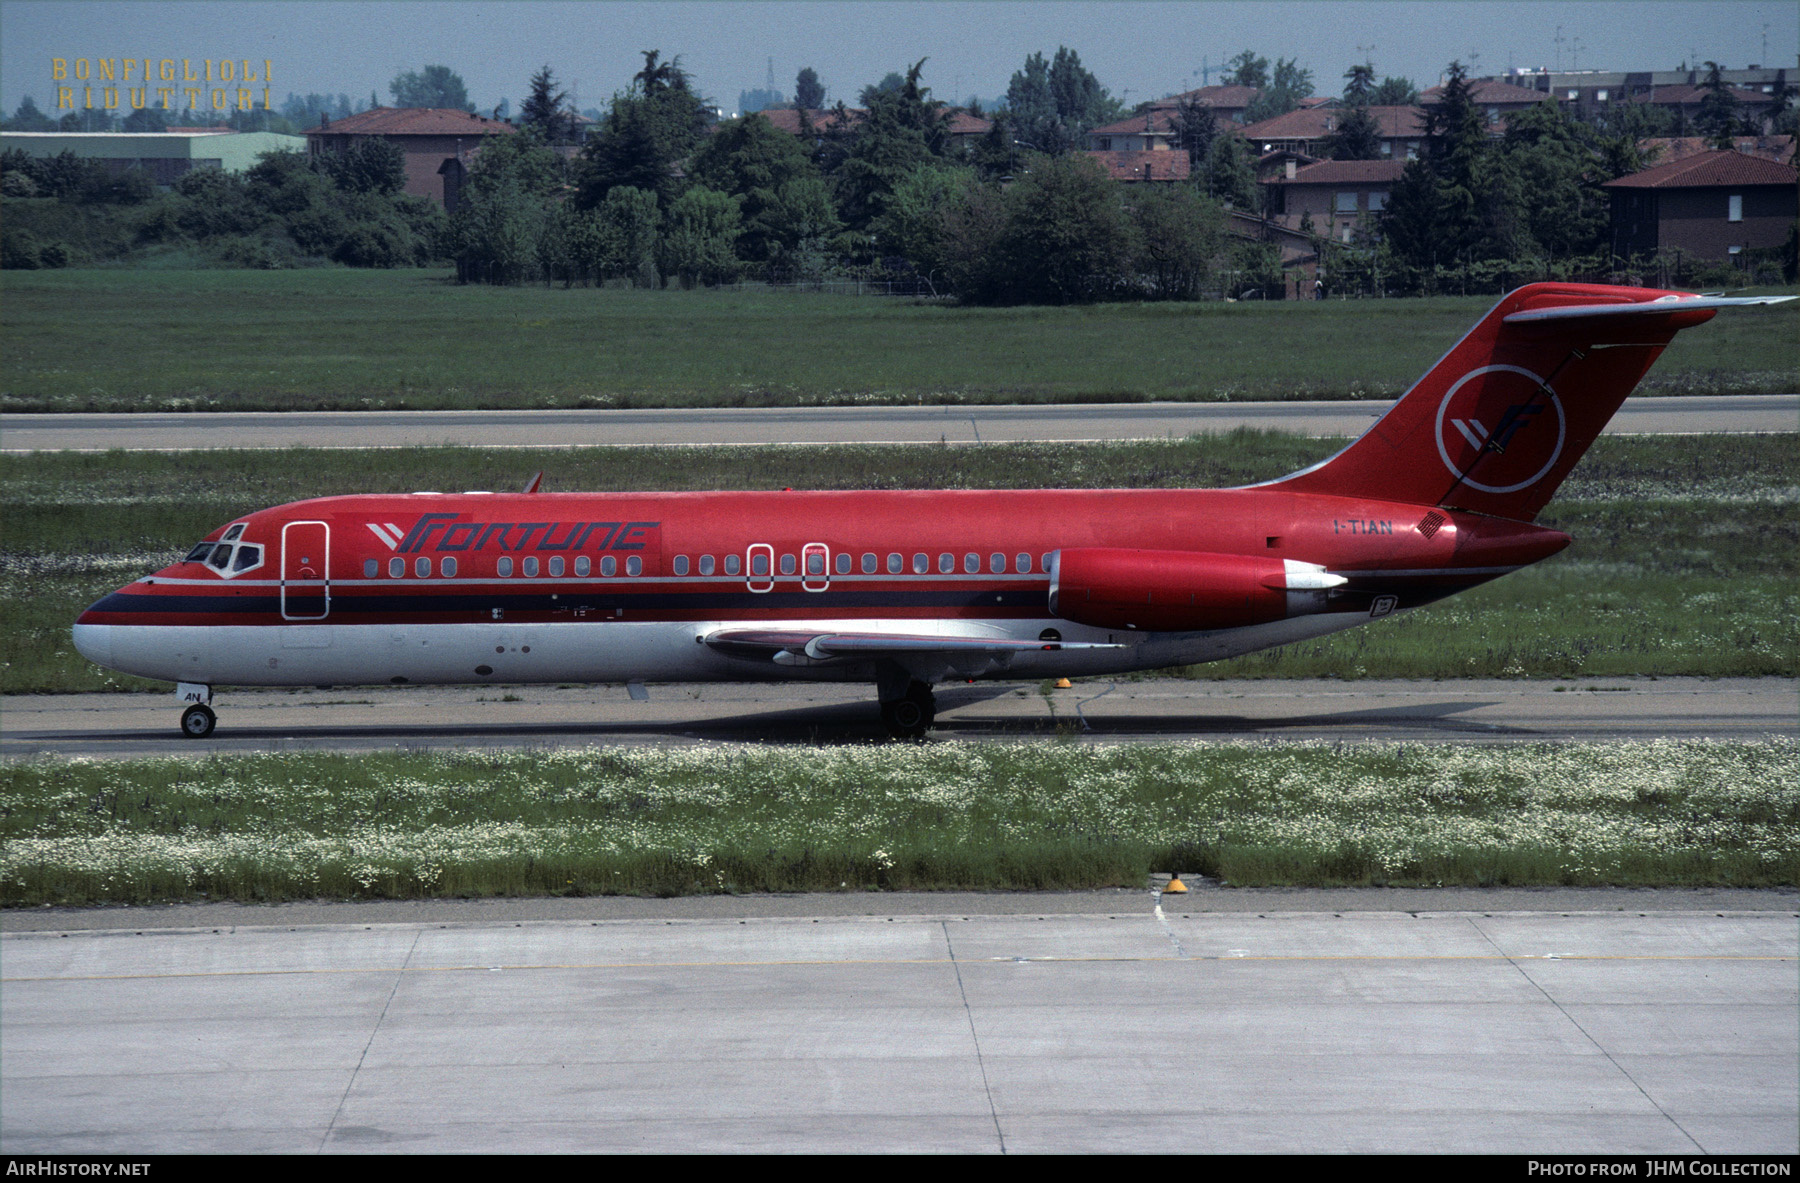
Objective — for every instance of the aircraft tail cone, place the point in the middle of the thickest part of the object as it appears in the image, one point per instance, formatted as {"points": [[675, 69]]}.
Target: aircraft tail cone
{"points": [[1176, 886]]}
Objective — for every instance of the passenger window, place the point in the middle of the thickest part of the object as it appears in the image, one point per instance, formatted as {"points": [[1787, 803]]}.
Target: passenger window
{"points": [[583, 564], [529, 566], [895, 564], [815, 563], [397, 567], [1024, 563], [733, 564], [247, 557], [759, 563], [504, 566], [681, 564], [971, 563], [556, 565], [448, 566], [706, 564], [1045, 559], [608, 565], [787, 564], [422, 567], [921, 564], [946, 562], [997, 563], [634, 565], [370, 568], [868, 563], [842, 562]]}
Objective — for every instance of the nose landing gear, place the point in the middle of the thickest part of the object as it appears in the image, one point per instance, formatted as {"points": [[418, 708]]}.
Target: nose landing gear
{"points": [[198, 719]]}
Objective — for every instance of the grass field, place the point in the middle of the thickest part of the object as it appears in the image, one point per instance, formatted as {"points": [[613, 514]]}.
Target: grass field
{"points": [[137, 340], [1685, 561], [909, 817]]}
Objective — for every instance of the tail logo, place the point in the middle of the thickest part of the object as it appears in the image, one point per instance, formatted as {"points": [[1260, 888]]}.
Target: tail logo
{"points": [[1519, 447]]}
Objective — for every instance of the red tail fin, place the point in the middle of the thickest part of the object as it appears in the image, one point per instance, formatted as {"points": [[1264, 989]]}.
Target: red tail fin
{"points": [[1496, 425]]}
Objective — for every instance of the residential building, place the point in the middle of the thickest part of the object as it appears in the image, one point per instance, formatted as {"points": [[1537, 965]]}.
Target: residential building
{"points": [[1155, 165], [165, 155], [1402, 131], [1496, 98], [1712, 205], [1152, 130], [437, 143], [1336, 199]]}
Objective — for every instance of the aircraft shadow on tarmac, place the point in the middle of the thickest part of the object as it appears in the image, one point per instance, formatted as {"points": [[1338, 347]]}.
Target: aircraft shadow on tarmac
{"points": [[859, 723]]}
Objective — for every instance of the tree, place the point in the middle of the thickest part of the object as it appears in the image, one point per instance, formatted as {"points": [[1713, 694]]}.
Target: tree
{"points": [[1359, 84], [1180, 235], [1450, 206], [370, 165], [650, 129], [904, 129], [1357, 135], [699, 241], [1553, 159], [1229, 174], [1195, 130], [505, 210], [27, 117], [1066, 239], [1246, 69], [1394, 92], [809, 95], [782, 197], [1053, 105], [888, 85], [1720, 118], [752, 101], [1284, 94], [146, 119], [434, 86], [547, 109]]}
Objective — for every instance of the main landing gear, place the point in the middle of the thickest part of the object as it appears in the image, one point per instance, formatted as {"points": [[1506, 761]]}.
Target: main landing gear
{"points": [[909, 715]]}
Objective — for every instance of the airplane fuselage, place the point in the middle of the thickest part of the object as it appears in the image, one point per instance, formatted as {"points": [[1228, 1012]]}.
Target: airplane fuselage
{"points": [[470, 588]]}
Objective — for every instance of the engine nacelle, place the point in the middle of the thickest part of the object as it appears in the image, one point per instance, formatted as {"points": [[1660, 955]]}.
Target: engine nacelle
{"points": [[1179, 591]]}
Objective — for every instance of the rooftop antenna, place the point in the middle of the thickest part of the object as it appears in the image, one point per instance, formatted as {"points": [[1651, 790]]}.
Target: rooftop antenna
{"points": [[771, 82], [1575, 48], [1559, 44]]}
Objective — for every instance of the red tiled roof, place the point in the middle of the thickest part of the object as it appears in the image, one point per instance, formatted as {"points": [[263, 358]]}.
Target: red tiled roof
{"points": [[1319, 122], [1143, 166], [1161, 120], [1346, 172], [1710, 169], [824, 119], [1669, 149], [1213, 96], [1490, 91], [964, 124], [413, 121]]}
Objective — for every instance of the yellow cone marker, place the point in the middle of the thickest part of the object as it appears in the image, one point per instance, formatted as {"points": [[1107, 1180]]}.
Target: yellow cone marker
{"points": [[1062, 683], [1176, 886]]}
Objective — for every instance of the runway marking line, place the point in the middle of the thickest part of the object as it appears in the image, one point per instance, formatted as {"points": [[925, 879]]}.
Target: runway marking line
{"points": [[1170, 960]]}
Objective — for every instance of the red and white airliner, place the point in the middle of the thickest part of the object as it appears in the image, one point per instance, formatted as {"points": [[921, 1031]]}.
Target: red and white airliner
{"points": [[905, 589]]}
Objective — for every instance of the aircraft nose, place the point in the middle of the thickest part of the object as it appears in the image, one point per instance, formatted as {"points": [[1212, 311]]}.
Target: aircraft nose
{"points": [[94, 642]]}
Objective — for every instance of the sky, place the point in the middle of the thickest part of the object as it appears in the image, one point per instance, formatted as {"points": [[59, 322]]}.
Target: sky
{"points": [[1137, 50]]}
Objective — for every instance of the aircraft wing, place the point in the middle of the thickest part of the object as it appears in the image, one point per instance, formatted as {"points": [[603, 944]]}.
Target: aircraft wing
{"points": [[799, 647]]}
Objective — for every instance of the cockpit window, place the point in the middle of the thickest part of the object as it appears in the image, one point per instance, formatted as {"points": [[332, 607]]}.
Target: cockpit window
{"points": [[221, 555], [232, 534], [247, 557]]}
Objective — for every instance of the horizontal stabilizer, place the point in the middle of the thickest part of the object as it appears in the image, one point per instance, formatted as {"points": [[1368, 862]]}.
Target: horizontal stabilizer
{"points": [[1663, 304]]}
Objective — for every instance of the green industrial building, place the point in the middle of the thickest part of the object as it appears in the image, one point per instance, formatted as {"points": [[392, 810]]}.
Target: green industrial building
{"points": [[165, 155]]}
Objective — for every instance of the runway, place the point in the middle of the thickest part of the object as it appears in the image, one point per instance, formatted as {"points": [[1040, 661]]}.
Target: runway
{"points": [[1152, 1024], [364, 719], [803, 425]]}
